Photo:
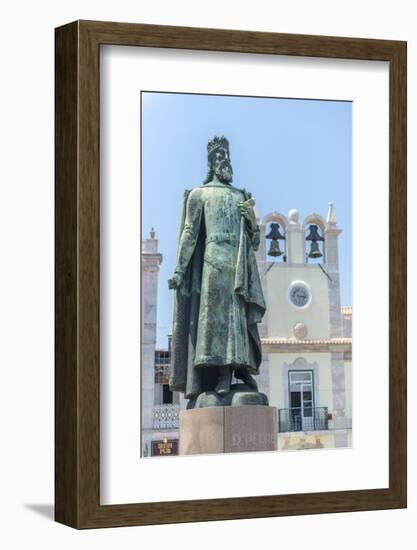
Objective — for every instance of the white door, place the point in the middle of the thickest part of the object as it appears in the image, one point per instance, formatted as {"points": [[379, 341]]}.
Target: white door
{"points": [[307, 411], [301, 400]]}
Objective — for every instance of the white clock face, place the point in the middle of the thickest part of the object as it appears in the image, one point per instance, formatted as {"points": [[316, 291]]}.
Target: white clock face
{"points": [[299, 295]]}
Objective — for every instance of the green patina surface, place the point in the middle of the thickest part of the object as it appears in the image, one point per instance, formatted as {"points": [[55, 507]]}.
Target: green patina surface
{"points": [[218, 294]]}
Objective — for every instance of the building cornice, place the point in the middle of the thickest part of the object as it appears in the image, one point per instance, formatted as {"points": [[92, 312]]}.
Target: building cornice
{"points": [[284, 345], [151, 261]]}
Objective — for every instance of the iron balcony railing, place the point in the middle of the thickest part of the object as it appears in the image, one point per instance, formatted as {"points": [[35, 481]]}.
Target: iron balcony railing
{"points": [[165, 417], [303, 420]]}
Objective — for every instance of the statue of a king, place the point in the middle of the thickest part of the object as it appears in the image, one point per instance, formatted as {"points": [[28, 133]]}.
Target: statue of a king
{"points": [[218, 295]]}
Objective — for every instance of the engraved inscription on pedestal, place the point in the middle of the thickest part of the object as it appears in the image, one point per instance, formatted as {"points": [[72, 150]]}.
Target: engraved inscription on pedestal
{"points": [[228, 429], [250, 428]]}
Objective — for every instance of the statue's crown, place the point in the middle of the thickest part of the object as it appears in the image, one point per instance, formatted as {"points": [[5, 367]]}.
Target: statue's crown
{"points": [[216, 143]]}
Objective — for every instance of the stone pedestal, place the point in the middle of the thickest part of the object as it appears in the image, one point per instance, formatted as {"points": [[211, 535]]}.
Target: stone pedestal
{"points": [[228, 430]]}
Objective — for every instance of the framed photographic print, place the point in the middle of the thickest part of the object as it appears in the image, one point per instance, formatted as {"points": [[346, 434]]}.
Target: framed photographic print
{"points": [[230, 274]]}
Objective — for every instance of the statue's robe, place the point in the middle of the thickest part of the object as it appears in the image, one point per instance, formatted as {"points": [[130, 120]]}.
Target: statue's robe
{"points": [[220, 303]]}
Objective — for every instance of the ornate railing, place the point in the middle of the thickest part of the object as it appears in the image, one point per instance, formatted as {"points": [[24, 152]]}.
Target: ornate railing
{"points": [[306, 420], [165, 417]]}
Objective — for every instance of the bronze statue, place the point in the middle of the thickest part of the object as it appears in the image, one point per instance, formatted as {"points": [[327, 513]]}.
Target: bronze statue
{"points": [[218, 295]]}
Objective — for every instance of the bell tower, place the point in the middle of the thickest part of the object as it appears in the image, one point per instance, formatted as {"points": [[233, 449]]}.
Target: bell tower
{"points": [[150, 261], [301, 290], [309, 356]]}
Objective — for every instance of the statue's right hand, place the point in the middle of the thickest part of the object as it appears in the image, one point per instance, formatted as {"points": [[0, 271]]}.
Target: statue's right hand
{"points": [[176, 281]]}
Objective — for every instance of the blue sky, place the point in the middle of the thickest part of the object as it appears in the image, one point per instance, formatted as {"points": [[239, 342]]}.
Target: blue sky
{"points": [[289, 153]]}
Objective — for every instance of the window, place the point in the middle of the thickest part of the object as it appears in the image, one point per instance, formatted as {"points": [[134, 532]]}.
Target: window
{"points": [[167, 396]]}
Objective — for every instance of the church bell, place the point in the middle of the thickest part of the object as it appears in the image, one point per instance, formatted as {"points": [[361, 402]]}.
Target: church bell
{"points": [[275, 235], [274, 249], [314, 236], [314, 250]]}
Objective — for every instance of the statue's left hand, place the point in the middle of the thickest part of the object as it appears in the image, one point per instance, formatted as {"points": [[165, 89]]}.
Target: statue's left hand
{"points": [[248, 212]]}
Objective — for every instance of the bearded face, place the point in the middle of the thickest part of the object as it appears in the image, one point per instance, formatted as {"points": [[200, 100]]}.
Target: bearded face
{"points": [[222, 166]]}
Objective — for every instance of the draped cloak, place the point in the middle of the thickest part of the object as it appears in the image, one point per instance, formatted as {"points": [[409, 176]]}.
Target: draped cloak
{"points": [[185, 374]]}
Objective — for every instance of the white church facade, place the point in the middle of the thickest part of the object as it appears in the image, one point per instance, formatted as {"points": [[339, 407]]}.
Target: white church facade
{"points": [[306, 335]]}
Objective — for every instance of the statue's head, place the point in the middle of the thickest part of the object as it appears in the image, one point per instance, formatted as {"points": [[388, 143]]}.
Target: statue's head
{"points": [[219, 160]]}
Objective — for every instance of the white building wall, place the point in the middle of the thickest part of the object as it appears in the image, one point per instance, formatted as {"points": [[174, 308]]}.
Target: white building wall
{"points": [[348, 386], [282, 315]]}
